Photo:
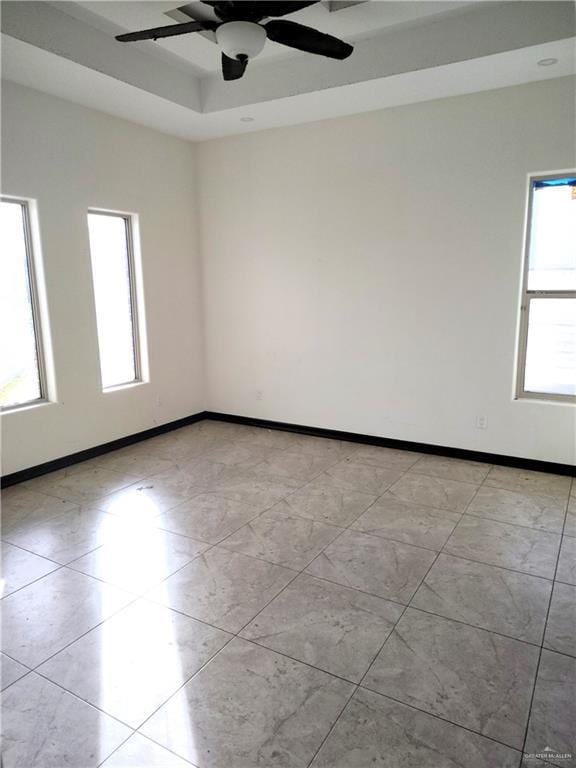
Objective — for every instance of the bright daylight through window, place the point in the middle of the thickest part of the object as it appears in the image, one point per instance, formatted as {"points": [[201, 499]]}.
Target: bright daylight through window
{"points": [[21, 372], [111, 251], [548, 327]]}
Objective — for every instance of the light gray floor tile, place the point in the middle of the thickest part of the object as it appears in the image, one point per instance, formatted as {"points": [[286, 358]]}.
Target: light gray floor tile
{"points": [[282, 539], [140, 752], [22, 508], [223, 588], [81, 484], [390, 458], [208, 517], [452, 469], [139, 558], [528, 481], [136, 460], [300, 466], [44, 617], [436, 492], [554, 708], [271, 438], [376, 731], [324, 501], [567, 562], [378, 566], [20, 567], [248, 487], [144, 501], [46, 727], [469, 676], [485, 596], [68, 536], [250, 707], [570, 525], [543, 512], [334, 628], [133, 662], [242, 455], [509, 546], [11, 670], [411, 523], [354, 476], [561, 626], [320, 446]]}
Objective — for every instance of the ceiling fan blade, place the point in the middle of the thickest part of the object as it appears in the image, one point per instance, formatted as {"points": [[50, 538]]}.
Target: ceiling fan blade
{"points": [[280, 8], [307, 39], [169, 31], [233, 69]]}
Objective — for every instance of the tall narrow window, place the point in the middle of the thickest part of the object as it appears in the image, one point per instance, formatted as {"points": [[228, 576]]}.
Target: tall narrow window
{"points": [[547, 360], [21, 362], [112, 254]]}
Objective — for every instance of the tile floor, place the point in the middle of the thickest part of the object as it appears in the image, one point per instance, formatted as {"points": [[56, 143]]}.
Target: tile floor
{"points": [[230, 597]]}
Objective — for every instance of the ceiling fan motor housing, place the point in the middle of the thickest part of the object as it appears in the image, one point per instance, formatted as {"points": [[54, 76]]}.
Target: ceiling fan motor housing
{"points": [[240, 39]]}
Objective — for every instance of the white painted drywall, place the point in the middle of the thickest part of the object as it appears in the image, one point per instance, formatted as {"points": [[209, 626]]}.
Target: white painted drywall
{"points": [[68, 158], [363, 273]]}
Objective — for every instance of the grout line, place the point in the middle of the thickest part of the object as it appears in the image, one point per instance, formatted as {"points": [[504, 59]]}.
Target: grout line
{"points": [[273, 478], [537, 671], [443, 719]]}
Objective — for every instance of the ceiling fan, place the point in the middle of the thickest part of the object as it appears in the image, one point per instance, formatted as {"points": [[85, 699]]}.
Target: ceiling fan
{"points": [[241, 36]]}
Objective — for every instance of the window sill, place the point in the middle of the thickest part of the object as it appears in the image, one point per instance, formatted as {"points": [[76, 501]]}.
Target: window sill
{"points": [[26, 407], [121, 387], [535, 400]]}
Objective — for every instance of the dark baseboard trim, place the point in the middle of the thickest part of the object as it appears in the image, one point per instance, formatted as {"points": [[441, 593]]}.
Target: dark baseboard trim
{"points": [[335, 434], [406, 445], [97, 450]]}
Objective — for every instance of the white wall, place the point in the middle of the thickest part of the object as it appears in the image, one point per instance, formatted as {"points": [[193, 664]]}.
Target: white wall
{"points": [[68, 159], [363, 273]]}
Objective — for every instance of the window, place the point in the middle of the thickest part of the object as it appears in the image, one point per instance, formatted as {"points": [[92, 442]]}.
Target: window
{"points": [[112, 255], [22, 378], [547, 349]]}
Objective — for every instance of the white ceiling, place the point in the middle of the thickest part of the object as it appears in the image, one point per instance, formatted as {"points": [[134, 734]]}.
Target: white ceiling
{"points": [[404, 52]]}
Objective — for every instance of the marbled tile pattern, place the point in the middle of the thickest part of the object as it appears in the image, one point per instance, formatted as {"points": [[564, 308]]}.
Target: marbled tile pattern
{"points": [[510, 546], [20, 567], [207, 517], [252, 707], [450, 495], [146, 651], [223, 588], [44, 726], [11, 670], [567, 562], [545, 513], [331, 627], [554, 707], [380, 567], [375, 730], [281, 539], [411, 523], [561, 628], [224, 595], [426, 663], [497, 599]]}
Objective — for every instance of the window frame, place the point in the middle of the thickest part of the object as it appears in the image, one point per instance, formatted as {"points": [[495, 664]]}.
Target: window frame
{"points": [[527, 296], [134, 296], [35, 306]]}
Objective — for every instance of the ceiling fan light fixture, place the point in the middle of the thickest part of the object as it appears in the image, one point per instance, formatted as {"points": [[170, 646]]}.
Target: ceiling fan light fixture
{"points": [[241, 39]]}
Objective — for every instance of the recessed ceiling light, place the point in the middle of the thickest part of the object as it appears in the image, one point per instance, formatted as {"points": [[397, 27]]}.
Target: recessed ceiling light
{"points": [[547, 62], [246, 119]]}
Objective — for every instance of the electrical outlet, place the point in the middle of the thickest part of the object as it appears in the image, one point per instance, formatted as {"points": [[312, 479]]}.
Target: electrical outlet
{"points": [[481, 421], [259, 394]]}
